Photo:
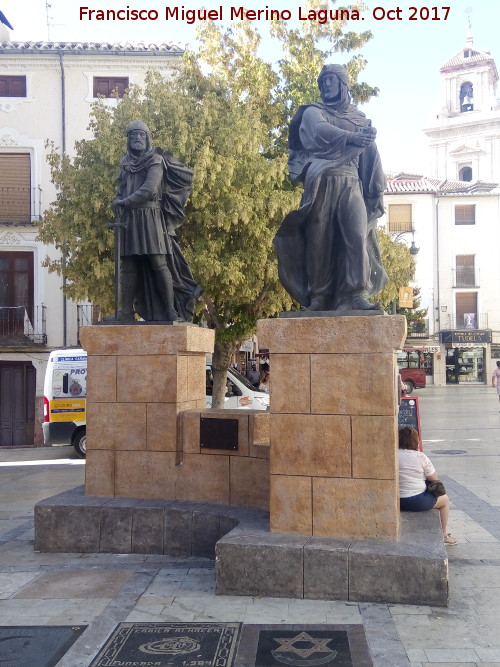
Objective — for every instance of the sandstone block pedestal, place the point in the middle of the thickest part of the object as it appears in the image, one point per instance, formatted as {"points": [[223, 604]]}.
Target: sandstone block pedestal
{"points": [[334, 402], [139, 379]]}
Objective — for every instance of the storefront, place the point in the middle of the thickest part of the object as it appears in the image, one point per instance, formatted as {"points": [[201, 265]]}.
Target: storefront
{"points": [[466, 356]]}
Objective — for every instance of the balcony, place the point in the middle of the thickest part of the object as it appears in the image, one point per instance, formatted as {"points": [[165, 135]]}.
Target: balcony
{"points": [[466, 277], [399, 227], [22, 326], [20, 205], [418, 329], [86, 314], [467, 321]]}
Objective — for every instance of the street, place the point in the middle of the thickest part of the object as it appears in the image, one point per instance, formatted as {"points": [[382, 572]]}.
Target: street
{"points": [[460, 428]]}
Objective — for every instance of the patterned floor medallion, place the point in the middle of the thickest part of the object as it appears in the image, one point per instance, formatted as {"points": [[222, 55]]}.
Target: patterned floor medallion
{"points": [[170, 645]]}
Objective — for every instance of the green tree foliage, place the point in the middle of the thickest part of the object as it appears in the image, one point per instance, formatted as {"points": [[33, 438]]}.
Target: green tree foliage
{"points": [[399, 265], [225, 114]]}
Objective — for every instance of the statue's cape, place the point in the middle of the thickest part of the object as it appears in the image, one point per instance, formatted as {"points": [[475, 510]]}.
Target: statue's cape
{"points": [[176, 188]]}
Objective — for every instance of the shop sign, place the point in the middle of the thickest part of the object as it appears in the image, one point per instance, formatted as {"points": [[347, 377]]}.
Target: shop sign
{"points": [[466, 338], [406, 297], [495, 351], [247, 345]]}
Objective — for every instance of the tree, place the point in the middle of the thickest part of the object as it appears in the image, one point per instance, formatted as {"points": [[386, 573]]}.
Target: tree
{"points": [[230, 125]]}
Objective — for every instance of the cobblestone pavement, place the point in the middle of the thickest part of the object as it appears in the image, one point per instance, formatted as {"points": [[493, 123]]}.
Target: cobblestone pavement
{"points": [[460, 428]]}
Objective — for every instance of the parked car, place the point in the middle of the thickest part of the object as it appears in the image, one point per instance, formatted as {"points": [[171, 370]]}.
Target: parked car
{"points": [[412, 378], [240, 392]]}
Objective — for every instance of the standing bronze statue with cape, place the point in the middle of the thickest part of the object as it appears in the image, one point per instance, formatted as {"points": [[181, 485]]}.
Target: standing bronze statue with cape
{"points": [[156, 281], [328, 253]]}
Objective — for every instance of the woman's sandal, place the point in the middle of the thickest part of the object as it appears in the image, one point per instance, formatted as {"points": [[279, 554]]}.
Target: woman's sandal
{"points": [[450, 540]]}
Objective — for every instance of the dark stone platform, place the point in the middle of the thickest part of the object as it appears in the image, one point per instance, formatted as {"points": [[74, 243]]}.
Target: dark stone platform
{"points": [[249, 559]]}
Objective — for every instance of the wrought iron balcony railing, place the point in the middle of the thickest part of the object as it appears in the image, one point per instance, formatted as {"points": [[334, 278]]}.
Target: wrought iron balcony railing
{"points": [[22, 325], [87, 314], [465, 321], [466, 277], [418, 329], [20, 205]]}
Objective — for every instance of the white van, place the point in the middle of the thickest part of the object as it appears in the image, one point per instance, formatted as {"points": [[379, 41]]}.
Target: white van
{"points": [[64, 399], [65, 391]]}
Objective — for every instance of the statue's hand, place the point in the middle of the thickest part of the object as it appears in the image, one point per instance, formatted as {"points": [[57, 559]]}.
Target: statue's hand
{"points": [[117, 205], [364, 138]]}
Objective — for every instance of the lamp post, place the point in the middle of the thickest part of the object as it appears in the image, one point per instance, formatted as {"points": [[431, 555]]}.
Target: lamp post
{"points": [[413, 251]]}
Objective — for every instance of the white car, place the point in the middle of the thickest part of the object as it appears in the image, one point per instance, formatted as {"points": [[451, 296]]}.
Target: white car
{"points": [[240, 392]]}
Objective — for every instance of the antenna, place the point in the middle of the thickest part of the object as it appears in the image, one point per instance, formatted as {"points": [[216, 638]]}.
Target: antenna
{"points": [[468, 10], [49, 18]]}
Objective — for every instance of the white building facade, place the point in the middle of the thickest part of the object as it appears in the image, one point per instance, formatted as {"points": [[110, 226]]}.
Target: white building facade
{"points": [[46, 92], [454, 219]]}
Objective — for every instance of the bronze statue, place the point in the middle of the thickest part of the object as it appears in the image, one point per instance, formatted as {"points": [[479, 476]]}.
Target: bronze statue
{"points": [[328, 253], [156, 281]]}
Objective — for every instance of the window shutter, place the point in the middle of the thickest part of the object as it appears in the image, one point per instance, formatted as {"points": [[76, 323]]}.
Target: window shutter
{"points": [[400, 218], [15, 188], [465, 214]]}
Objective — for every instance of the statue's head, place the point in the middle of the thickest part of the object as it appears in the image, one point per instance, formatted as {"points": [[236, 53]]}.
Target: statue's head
{"points": [[333, 83], [138, 137]]}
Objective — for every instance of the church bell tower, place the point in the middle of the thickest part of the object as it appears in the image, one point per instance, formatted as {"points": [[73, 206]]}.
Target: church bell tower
{"points": [[465, 139]]}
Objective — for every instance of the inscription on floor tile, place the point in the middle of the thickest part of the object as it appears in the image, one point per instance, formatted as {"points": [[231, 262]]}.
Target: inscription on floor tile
{"points": [[170, 645]]}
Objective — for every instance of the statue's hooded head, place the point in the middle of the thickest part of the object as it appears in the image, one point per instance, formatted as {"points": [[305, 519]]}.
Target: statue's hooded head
{"points": [[142, 127], [342, 98]]}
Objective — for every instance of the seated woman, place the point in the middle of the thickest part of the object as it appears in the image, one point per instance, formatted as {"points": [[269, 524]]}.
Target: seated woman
{"points": [[264, 382], [414, 469]]}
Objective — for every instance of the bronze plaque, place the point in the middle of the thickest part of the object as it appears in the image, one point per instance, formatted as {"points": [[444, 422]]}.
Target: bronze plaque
{"points": [[218, 433]]}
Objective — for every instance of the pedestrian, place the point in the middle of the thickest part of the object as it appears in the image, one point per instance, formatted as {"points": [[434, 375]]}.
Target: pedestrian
{"points": [[264, 382], [254, 376], [414, 469], [495, 377]]}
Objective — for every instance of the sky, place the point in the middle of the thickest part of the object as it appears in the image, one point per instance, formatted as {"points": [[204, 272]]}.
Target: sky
{"points": [[404, 55]]}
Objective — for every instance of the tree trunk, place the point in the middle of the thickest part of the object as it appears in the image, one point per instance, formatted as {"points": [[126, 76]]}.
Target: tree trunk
{"points": [[221, 359]]}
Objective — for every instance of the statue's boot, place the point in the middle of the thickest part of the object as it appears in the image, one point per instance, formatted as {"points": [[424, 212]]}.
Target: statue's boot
{"points": [[317, 303], [358, 302], [128, 281], [165, 286]]}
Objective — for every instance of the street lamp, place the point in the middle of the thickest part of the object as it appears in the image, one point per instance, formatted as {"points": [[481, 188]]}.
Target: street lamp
{"points": [[413, 248], [413, 251]]}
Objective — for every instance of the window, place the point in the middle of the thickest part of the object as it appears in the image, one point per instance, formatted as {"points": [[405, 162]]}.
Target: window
{"points": [[465, 214], [400, 218], [466, 271], [16, 291], [107, 85], [466, 310], [15, 188], [465, 174], [466, 96], [12, 86]]}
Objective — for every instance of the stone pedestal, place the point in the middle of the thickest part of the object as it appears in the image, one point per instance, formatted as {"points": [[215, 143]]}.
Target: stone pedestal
{"points": [[139, 379], [334, 402]]}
